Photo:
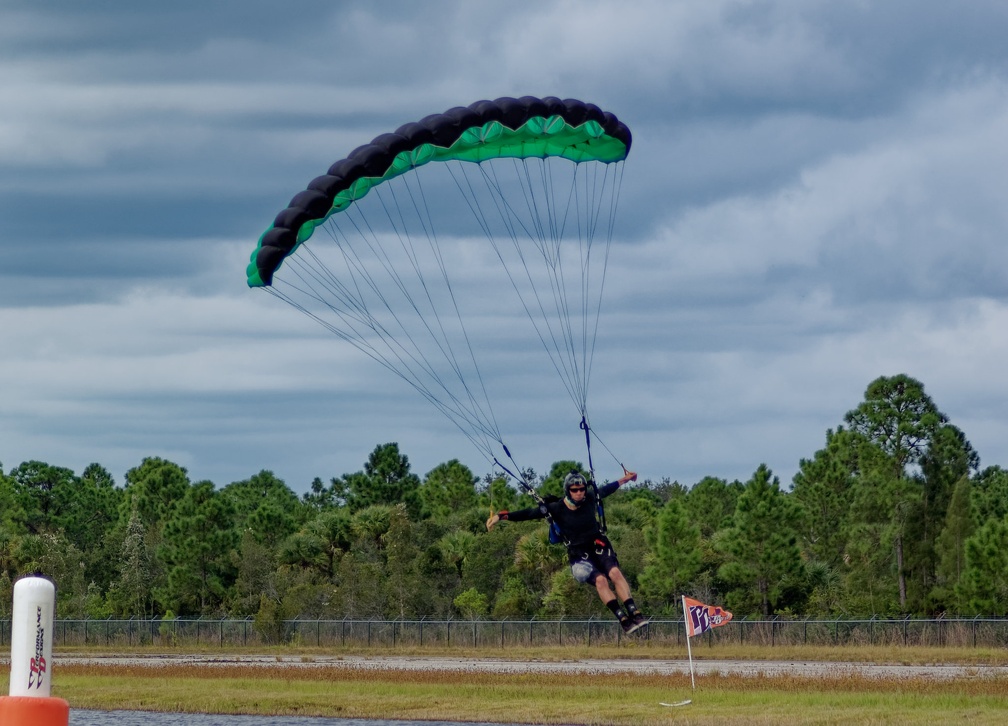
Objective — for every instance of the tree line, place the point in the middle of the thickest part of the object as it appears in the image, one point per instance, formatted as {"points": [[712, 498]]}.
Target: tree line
{"points": [[892, 517]]}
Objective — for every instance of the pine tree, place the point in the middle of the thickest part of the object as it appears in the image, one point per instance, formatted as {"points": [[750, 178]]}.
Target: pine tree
{"points": [[985, 580], [674, 559], [762, 545], [132, 588], [951, 546], [898, 420], [823, 487], [198, 539]]}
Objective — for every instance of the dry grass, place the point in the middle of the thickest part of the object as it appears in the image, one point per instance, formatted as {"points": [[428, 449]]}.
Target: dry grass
{"points": [[467, 695]]}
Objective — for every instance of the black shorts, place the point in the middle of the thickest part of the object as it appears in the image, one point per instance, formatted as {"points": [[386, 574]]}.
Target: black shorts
{"points": [[589, 561]]}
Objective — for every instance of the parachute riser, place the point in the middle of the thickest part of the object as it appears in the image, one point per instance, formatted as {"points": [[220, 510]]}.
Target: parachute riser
{"points": [[599, 508]]}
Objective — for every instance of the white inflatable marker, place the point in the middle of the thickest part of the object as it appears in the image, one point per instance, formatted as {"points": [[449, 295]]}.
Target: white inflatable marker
{"points": [[30, 702], [31, 637]]}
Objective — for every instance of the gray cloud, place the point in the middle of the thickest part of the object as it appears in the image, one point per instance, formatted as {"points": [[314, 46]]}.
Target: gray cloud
{"points": [[814, 198]]}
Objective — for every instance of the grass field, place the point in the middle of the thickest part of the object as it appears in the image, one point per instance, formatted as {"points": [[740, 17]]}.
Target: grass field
{"points": [[317, 689]]}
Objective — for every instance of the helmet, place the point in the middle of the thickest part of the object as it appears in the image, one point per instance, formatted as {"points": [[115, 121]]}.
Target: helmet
{"points": [[573, 479]]}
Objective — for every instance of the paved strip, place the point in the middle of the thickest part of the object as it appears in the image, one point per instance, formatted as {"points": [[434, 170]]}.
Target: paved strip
{"points": [[802, 669]]}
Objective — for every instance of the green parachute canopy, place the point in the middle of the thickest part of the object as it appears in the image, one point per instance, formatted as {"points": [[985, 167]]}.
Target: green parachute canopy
{"points": [[430, 268], [517, 128]]}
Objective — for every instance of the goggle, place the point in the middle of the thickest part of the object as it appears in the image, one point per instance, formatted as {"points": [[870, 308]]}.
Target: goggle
{"points": [[576, 489]]}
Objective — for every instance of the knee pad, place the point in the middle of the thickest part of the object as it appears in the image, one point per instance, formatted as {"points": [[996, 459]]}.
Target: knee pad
{"points": [[582, 570]]}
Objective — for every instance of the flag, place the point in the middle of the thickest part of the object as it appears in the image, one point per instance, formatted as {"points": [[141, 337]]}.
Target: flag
{"points": [[701, 618]]}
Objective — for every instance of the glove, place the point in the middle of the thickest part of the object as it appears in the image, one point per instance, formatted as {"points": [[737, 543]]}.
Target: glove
{"points": [[494, 519]]}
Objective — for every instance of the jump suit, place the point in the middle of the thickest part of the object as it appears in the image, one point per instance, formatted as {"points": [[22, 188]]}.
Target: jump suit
{"points": [[589, 551]]}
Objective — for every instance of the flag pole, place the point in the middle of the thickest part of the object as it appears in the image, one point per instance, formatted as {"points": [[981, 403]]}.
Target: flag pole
{"points": [[689, 649]]}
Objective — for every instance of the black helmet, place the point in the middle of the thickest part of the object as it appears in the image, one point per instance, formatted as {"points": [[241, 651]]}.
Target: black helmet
{"points": [[574, 479]]}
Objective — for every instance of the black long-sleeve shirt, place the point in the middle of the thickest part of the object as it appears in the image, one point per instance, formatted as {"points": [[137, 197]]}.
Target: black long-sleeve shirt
{"points": [[579, 527]]}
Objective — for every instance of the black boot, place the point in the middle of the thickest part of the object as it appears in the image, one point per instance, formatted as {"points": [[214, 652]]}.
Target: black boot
{"points": [[636, 617]]}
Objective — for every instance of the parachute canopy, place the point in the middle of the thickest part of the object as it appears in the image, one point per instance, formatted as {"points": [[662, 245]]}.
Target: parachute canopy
{"points": [[520, 128], [424, 266]]}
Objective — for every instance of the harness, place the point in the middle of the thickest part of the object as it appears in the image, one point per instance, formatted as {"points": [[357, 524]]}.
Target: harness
{"points": [[556, 536]]}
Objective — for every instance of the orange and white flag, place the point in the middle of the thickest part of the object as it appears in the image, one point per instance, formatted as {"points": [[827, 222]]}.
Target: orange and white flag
{"points": [[701, 618]]}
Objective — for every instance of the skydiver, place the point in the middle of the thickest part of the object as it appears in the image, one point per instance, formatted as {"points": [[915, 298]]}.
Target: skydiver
{"points": [[590, 553]]}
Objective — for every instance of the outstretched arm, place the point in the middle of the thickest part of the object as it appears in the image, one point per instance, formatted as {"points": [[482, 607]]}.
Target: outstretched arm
{"points": [[520, 515]]}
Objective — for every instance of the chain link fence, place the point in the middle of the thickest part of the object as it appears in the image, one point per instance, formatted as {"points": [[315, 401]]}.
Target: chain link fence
{"points": [[502, 634]]}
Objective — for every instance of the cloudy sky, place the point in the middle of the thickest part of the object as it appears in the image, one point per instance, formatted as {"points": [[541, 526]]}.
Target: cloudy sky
{"points": [[815, 197]]}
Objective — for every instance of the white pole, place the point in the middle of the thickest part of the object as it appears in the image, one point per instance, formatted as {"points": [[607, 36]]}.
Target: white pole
{"points": [[32, 637], [690, 651], [688, 648]]}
